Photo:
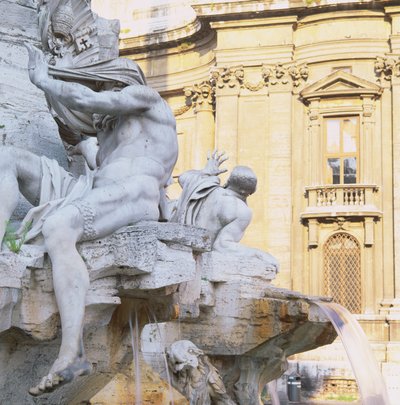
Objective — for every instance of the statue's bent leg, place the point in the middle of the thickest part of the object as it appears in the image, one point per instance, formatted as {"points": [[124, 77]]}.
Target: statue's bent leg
{"points": [[61, 231], [20, 171], [102, 211]]}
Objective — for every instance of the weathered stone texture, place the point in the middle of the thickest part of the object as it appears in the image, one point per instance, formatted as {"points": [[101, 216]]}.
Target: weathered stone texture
{"points": [[25, 120], [142, 267]]}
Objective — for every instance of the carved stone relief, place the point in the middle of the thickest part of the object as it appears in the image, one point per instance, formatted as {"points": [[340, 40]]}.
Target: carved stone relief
{"points": [[200, 96], [387, 67]]}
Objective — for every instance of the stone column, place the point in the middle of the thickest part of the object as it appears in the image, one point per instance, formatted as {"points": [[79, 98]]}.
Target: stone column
{"points": [[387, 207], [201, 97]]}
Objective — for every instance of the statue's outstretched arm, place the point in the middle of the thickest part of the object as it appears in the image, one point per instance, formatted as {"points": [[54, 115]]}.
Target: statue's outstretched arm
{"points": [[131, 99]]}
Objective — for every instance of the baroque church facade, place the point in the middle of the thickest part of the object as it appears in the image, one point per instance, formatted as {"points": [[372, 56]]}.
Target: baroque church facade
{"points": [[308, 95]]}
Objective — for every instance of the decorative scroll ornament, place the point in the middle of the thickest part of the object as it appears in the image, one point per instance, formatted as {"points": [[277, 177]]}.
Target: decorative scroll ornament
{"points": [[386, 68], [200, 95]]}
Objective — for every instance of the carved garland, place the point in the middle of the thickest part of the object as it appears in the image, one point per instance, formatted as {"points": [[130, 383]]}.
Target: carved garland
{"points": [[181, 110], [203, 94], [270, 75]]}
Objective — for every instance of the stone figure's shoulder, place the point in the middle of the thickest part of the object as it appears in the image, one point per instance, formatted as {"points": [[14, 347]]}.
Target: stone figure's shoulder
{"points": [[230, 207]]}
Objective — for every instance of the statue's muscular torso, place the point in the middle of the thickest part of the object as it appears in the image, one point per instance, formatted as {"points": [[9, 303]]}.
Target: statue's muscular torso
{"points": [[144, 144]]}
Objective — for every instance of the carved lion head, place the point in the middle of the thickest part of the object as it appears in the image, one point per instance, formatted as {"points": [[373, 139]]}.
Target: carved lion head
{"points": [[183, 354]]}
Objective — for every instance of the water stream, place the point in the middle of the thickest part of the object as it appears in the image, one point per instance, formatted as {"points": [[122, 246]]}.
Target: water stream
{"points": [[365, 367], [164, 356], [135, 350]]}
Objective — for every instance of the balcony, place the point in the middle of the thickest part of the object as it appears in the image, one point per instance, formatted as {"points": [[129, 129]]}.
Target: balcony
{"points": [[341, 200]]}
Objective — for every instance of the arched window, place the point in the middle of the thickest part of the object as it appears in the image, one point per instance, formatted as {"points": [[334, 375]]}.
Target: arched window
{"points": [[342, 271]]}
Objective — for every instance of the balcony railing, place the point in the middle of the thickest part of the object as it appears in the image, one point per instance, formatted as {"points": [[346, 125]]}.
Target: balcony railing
{"points": [[341, 199]]}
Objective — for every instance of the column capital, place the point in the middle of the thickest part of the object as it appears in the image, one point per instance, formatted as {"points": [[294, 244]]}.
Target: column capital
{"points": [[282, 74], [231, 77], [200, 96], [387, 68]]}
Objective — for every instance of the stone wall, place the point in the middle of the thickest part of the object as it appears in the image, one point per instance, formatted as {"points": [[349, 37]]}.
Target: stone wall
{"points": [[25, 120]]}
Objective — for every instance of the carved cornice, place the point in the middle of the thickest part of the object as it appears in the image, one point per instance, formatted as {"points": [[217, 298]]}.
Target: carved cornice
{"points": [[270, 75], [200, 96], [387, 67]]}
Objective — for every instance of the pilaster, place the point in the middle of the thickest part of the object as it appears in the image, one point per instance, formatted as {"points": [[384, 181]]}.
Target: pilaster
{"points": [[226, 82], [201, 98], [388, 72]]}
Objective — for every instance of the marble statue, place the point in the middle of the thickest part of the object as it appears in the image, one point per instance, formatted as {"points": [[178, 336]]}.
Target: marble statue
{"points": [[137, 150], [193, 375], [222, 210], [95, 274]]}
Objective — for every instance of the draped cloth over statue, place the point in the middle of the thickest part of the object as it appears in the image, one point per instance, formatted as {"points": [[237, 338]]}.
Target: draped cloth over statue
{"points": [[77, 123], [195, 188], [58, 189]]}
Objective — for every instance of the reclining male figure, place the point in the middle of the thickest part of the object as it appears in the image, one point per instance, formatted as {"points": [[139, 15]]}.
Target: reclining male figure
{"points": [[137, 152]]}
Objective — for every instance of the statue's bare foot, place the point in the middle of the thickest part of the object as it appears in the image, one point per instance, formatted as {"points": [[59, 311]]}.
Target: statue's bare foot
{"points": [[61, 374]]}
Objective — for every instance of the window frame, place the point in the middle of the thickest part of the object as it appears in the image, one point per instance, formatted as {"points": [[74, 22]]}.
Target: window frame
{"points": [[341, 155]]}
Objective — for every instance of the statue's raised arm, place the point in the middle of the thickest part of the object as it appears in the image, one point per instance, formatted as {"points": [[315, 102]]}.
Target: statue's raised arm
{"points": [[222, 210], [131, 99]]}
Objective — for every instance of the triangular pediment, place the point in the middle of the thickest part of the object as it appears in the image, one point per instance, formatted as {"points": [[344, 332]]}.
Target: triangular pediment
{"points": [[342, 84]]}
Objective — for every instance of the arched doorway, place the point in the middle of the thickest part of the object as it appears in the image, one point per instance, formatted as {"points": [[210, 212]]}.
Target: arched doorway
{"points": [[342, 271]]}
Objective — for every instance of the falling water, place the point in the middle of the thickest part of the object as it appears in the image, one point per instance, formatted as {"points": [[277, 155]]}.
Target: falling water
{"points": [[365, 367], [171, 394], [135, 351]]}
